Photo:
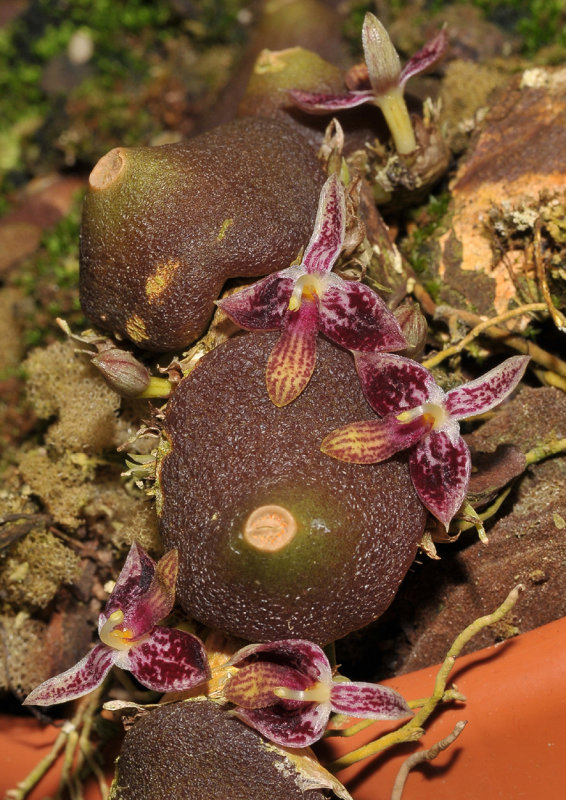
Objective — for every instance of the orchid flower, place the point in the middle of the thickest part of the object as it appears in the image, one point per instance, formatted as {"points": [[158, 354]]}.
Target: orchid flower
{"points": [[285, 691], [302, 300], [387, 82], [162, 659], [418, 415]]}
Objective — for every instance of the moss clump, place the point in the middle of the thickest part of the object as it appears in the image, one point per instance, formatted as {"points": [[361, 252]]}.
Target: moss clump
{"points": [[35, 568], [62, 384], [62, 483], [114, 515], [23, 665]]}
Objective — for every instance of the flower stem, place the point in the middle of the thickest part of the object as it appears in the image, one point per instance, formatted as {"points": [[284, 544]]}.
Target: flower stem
{"points": [[158, 387], [394, 109], [413, 729]]}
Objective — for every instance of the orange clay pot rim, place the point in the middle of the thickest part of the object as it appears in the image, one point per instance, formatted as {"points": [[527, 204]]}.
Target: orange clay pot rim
{"points": [[514, 744]]}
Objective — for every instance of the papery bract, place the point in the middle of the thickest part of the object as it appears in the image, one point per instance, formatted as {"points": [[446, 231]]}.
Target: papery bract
{"points": [[160, 658], [285, 690], [306, 299], [419, 415], [386, 82]]}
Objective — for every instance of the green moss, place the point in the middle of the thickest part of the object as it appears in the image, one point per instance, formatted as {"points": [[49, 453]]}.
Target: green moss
{"points": [[428, 219], [217, 21], [50, 280], [539, 23], [127, 37]]}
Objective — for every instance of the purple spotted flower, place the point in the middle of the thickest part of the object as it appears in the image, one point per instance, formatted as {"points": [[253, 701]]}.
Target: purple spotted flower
{"points": [[161, 658], [305, 299], [285, 691], [385, 82], [419, 415]]}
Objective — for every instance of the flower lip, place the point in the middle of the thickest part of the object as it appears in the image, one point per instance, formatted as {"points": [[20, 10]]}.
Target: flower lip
{"points": [[270, 528], [117, 637], [308, 287], [434, 415], [319, 693]]}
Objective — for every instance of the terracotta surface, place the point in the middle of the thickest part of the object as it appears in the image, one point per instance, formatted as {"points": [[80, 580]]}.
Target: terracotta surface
{"points": [[23, 743], [513, 747]]}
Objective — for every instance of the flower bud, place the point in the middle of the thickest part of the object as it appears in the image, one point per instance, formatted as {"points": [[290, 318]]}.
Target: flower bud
{"points": [[414, 326], [122, 371]]}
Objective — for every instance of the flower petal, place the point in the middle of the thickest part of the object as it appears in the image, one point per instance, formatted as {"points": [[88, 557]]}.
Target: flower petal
{"points": [[328, 234], [168, 661], [440, 471], [373, 440], [394, 383], [488, 391], [300, 654], [291, 362], [319, 103], [253, 685], [299, 727], [424, 58], [261, 306], [133, 581], [158, 600], [81, 679], [368, 700], [355, 317]]}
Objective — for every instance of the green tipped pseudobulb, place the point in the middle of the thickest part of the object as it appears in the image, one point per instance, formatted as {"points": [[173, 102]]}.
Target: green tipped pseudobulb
{"points": [[276, 540], [164, 227]]}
